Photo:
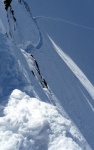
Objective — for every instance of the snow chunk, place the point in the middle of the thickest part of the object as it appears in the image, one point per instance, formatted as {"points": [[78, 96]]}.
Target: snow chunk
{"points": [[31, 124], [16, 93]]}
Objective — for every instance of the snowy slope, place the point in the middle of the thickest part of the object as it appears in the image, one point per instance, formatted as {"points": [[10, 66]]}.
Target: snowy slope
{"points": [[14, 71], [31, 124], [71, 94], [30, 62], [75, 69]]}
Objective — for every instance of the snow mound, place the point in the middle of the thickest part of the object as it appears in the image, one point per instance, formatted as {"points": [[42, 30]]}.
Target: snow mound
{"points": [[31, 124]]}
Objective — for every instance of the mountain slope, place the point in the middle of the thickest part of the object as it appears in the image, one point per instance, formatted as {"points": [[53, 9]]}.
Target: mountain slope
{"points": [[29, 62]]}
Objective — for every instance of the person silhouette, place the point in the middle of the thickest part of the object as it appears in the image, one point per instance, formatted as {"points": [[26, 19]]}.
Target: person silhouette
{"points": [[7, 4]]}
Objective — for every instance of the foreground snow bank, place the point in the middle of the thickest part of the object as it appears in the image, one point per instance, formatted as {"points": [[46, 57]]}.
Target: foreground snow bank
{"points": [[29, 124]]}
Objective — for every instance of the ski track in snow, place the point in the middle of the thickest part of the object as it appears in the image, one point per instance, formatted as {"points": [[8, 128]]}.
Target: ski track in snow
{"points": [[75, 69], [40, 41], [87, 100], [62, 20], [47, 90]]}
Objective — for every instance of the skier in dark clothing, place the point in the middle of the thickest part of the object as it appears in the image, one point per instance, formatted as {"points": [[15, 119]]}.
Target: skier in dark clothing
{"points": [[7, 4]]}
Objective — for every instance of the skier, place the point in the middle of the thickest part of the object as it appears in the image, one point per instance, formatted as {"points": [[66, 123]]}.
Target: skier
{"points": [[7, 4]]}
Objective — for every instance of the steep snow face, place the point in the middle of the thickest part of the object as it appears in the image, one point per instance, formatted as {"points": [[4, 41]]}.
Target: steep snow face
{"points": [[75, 69], [12, 70], [19, 23], [7, 65], [19, 29], [69, 90], [31, 124]]}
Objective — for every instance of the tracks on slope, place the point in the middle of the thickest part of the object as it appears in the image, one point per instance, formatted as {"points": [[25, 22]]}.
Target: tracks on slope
{"points": [[11, 14], [65, 21], [34, 68], [40, 41], [76, 71]]}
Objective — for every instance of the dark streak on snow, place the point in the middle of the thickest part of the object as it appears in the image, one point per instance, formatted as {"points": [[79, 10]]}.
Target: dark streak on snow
{"points": [[7, 6], [40, 78], [9, 9]]}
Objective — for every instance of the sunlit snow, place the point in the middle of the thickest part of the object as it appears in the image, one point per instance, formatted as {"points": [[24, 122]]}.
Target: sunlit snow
{"points": [[75, 69], [31, 124]]}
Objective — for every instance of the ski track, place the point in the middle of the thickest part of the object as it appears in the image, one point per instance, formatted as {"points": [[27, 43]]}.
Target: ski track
{"points": [[51, 96], [91, 106], [62, 20], [40, 41], [75, 69]]}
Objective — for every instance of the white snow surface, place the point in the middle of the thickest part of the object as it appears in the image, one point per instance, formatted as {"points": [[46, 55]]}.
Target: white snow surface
{"points": [[75, 69], [28, 123], [31, 124]]}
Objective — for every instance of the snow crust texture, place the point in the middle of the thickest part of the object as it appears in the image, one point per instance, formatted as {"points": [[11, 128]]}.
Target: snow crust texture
{"points": [[31, 124]]}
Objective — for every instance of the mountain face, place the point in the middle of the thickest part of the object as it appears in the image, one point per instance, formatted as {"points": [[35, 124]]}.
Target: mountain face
{"points": [[46, 100]]}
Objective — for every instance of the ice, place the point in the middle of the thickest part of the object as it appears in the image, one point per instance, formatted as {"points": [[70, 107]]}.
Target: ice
{"points": [[32, 124]]}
